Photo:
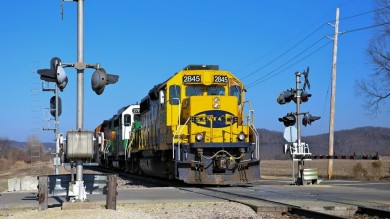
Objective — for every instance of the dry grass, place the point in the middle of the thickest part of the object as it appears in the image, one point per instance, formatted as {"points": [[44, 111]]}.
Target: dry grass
{"points": [[342, 169]]}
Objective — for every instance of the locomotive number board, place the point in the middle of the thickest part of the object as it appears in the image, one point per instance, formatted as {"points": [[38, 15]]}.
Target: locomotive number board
{"points": [[221, 79], [192, 79], [198, 78]]}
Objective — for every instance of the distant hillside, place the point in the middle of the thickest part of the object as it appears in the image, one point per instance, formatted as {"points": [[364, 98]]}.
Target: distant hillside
{"points": [[365, 140]]}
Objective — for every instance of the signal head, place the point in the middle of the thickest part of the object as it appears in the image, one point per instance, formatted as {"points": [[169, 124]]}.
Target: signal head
{"points": [[288, 120], [285, 97], [308, 119], [56, 73], [305, 96], [100, 79]]}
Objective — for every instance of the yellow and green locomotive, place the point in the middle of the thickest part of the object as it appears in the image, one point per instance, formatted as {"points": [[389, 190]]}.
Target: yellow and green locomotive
{"points": [[194, 128]]}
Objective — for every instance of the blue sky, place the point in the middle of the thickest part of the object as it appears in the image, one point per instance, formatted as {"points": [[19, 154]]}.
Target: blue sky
{"points": [[145, 42]]}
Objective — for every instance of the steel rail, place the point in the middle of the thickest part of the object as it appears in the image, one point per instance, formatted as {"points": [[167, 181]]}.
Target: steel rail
{"points": [[373, 212]]}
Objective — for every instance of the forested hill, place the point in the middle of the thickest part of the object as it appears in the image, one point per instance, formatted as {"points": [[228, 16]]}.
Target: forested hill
{"points": [[364, 140]]}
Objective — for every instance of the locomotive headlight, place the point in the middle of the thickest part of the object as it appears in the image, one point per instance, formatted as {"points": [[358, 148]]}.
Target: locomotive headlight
{"points": [[216, 103], [199, 137], [241, 136]]}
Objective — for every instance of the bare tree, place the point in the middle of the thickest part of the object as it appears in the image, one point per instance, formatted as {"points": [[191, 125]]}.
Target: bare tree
{"points": [[4, 146], [376, 89]]}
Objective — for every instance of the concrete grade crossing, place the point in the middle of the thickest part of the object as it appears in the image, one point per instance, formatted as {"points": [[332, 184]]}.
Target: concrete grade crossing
{"points": [[332, 197]]}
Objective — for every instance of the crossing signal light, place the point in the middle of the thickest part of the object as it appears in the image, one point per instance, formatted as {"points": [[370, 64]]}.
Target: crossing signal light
{"points": [[285, 97], [100, 79], [288, 120], [56, 73], [305, 96], [53, 106], [308, 119]]}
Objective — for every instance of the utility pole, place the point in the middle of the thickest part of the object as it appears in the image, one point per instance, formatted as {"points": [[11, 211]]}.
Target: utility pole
{"points": [[333, 96]]}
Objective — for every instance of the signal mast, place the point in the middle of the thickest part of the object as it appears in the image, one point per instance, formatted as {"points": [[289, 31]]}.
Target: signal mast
{"points": [[298, 150]]}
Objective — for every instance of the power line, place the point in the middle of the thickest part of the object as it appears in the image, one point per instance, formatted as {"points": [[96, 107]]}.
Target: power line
{"points": [[287, 61], [365, 28], [361, 14], [273, 75], [284, 53]]}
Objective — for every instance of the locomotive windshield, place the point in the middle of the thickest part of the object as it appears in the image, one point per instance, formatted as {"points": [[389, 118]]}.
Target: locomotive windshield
{"points": [[215, 90], [194, 91], [211, 90]]}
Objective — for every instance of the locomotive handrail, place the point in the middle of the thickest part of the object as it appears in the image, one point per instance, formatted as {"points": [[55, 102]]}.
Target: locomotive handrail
{"points": [[252, 126], [129, 145], [178, 143], [173, 139]]}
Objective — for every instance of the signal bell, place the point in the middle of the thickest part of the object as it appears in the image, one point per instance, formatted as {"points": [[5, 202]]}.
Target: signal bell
{"points": [[100, 79], [288, 120]]}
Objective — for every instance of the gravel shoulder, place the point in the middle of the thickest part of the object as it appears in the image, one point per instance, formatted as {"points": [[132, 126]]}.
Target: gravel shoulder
{"points": [[160, 210]]}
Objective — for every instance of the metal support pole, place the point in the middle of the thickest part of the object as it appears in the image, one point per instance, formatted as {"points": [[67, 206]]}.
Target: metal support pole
{"points": [[80, 88], [56, 172], [333, 96], [298, 99], [79, 170], [80, 59]]}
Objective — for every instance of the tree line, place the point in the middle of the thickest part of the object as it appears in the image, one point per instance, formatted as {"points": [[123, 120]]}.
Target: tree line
{"points": [[33, 151]]}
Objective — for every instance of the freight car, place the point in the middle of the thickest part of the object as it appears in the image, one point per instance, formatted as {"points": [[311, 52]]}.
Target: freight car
{"points": [[192, 127]]}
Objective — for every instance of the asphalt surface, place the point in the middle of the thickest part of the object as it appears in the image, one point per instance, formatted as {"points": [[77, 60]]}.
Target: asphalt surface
{"points": [[372, 194]]}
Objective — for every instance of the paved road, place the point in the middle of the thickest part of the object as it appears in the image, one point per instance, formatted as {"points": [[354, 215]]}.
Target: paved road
{"points": [[375, 194]]}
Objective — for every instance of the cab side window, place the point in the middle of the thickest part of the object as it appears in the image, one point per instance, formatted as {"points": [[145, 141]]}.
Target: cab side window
{"points": [[127, 120], [174, 94], [235, 91]]}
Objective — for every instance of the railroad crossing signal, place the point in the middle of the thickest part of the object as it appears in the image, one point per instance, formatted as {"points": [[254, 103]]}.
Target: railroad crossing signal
{"points": [[55, 73], [308, 119], [288, 120], [285, 97], [100, 79], [304, 97]]}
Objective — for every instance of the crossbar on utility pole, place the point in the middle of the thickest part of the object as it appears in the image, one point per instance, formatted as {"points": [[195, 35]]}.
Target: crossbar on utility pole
{"points": [[333, 95]]}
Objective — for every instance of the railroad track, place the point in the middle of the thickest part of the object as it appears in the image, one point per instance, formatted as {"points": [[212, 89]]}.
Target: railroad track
{"points": [[266, 206], [262, 206]]}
